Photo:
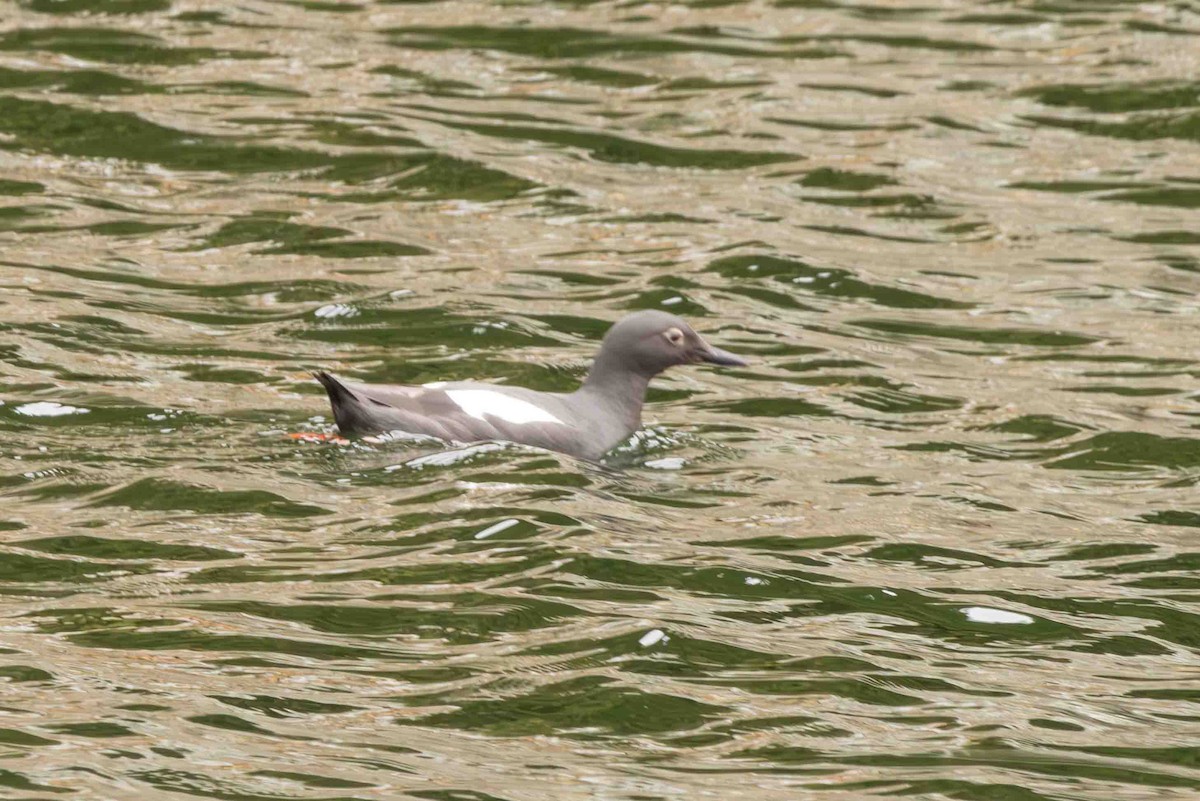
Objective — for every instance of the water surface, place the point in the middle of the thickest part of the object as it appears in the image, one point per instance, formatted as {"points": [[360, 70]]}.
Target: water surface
{"points": [[938, 541]]}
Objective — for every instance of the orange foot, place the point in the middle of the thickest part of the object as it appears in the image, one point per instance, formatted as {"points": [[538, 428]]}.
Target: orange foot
{"points": [[313, 436]]}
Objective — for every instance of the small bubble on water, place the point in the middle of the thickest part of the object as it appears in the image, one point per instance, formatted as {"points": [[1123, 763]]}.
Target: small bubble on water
{"points": [[652, 637], [985, 614], [503, 525]]}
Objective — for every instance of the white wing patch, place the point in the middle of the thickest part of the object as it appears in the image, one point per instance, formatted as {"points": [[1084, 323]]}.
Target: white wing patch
{"points": [[480, 402]]}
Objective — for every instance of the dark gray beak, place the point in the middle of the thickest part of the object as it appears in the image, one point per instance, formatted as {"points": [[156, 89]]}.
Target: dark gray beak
{"points": [[723, 357]]}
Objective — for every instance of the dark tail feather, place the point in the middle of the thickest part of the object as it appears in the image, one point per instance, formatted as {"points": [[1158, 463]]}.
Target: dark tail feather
{"points": [[339, 395]]}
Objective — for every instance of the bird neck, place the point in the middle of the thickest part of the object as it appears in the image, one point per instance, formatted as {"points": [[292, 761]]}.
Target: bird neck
{"points": [[619, 389]]}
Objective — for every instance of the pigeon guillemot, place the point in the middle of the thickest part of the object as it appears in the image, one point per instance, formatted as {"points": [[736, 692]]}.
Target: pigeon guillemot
{"points": [[588, 422]]}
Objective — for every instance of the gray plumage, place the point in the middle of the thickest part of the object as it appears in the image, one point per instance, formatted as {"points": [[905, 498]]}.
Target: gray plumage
{"points": [[587, 423]]}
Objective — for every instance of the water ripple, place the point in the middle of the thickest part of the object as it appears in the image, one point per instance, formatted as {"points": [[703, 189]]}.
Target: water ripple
{"points": [[938, 539]]}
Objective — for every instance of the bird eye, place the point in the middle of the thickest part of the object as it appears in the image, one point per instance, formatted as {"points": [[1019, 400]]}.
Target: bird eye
{"points": [[674, 336]]}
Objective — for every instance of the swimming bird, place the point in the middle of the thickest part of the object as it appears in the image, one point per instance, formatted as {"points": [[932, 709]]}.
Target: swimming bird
{"points": [[587, 423]]}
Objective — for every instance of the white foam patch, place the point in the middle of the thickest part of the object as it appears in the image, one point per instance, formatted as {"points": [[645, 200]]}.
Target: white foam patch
{"points": [[480, 403], [985, 614], [503, 525], [436, 384], [447, 458], [652, 637], [400, 436], [667, 463], [332, 310], [48, 409]]}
